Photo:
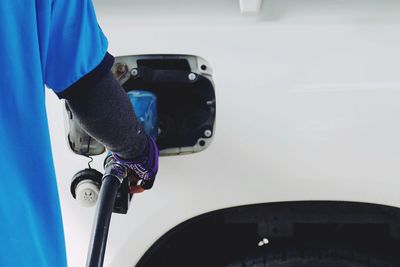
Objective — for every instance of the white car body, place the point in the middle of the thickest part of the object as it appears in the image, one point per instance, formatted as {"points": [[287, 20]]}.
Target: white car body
{"points": [[308, 108]]}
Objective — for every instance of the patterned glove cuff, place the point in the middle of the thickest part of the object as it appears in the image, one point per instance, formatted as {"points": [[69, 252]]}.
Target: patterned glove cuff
{"points": [[146, 166]]}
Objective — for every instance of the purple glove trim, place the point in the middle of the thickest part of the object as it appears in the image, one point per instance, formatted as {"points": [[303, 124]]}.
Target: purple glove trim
{"points": [[146, 166]]}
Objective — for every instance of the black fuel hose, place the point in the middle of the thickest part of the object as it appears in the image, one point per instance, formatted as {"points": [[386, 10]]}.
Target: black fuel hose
{"points": [[98, 242]]}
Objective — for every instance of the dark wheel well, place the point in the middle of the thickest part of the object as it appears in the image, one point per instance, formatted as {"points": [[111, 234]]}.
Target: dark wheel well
{"points": [[307, 256], [216, 238]]}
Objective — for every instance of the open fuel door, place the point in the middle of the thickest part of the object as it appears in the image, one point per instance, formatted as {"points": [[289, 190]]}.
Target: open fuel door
{"points": [[186, 105]]}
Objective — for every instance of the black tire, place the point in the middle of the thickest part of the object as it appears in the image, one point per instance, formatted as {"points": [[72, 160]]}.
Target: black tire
{"points": [[322, 257]]}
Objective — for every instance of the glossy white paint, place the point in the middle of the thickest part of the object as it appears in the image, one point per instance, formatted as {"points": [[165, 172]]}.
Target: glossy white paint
{"points": [[250, 7], [308, 97]]}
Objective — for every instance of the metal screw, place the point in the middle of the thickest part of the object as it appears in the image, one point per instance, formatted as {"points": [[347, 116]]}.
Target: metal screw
{"points": [[192, 76], [207, 133], [134, 72], [121, 68]]}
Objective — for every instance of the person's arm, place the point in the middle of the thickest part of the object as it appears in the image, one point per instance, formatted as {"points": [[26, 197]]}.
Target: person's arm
{"points": [[105, 112], [77, 68]]}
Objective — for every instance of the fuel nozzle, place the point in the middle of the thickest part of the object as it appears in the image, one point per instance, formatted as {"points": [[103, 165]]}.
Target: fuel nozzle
{"points": [[124, 196]]}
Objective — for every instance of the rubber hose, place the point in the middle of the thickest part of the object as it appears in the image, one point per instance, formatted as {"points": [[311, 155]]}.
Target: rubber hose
{"points": [[105, 205]]}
